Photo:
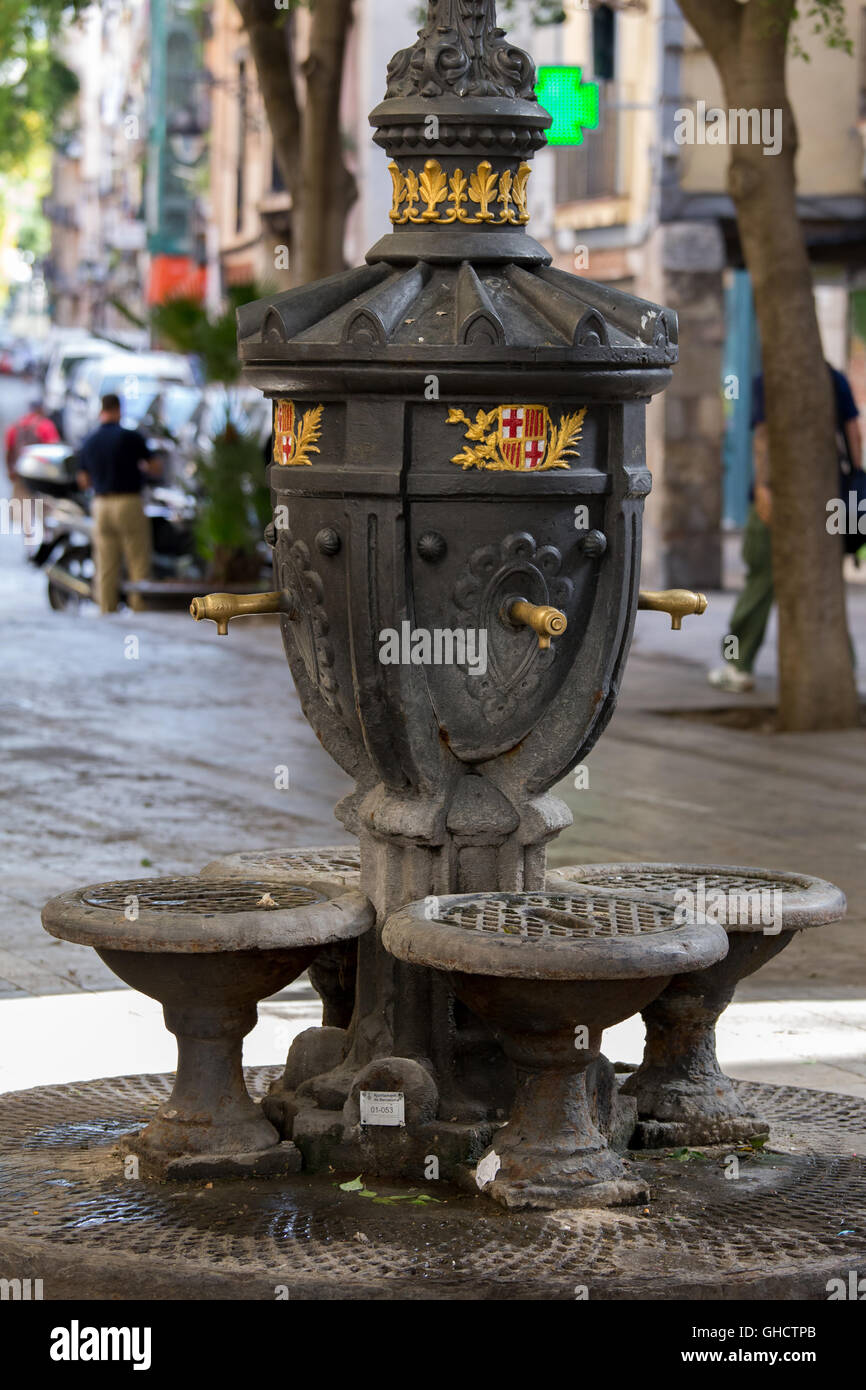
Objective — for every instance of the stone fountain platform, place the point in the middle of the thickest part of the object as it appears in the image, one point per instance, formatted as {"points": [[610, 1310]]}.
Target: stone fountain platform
{"points": [[793, 1219]]}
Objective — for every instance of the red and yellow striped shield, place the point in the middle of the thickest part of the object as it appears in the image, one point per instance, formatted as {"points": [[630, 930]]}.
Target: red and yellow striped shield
{"points": [[284, 431], [523, 435]]}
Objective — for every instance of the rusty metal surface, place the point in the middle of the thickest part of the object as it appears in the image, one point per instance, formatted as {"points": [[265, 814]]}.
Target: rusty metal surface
{"points": [[339, 863], [198, 915], [194, 895], [576, 936], [542, 915], [806, 901], [66, 1209]]}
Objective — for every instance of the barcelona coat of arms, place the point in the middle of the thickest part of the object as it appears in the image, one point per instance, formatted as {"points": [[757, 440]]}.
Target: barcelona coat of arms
{"points": [[294, 435], [517, 438]]}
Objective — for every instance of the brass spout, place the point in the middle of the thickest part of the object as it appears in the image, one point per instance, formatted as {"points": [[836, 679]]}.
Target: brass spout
{"points": [[547, 622], [678, 602], [221, 608]]}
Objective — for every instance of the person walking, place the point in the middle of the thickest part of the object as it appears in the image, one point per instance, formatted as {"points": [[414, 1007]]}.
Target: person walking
{"points": [[34, 427], [115, 462], [752, 611]]}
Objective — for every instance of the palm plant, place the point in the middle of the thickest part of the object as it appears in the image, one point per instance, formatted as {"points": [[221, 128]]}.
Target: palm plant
{"points": [[235, 501]]}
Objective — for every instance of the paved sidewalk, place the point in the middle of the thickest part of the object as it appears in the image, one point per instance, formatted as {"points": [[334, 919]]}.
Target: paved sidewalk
{"points": [[812, 1043]]}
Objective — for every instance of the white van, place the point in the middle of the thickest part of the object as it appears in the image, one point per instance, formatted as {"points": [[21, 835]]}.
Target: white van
{"points": [[64, 359], [136, 377]]}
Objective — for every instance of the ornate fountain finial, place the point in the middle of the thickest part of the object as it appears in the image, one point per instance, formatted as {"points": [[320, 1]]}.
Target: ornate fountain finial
{"points": [[459, 121], [461, 51]]}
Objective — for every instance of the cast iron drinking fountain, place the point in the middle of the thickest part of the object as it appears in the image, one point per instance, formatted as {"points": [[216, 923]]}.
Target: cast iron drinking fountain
{"points": [[458, 480]]}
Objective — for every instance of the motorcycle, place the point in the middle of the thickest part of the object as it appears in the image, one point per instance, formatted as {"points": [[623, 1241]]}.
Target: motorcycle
{"points": [[61, 538]]}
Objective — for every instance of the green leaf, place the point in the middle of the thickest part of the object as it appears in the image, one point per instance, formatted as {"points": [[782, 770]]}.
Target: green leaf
{"points": [[355, 1185]]}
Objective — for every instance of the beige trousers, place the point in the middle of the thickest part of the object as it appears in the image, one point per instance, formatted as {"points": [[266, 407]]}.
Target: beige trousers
{"points": [[121, 533], [21, 493]]}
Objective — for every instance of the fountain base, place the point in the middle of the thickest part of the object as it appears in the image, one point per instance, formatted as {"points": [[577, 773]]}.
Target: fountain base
{"points": [[99, 1234], [521, 1194], [667, 1134], [279, 1161]]}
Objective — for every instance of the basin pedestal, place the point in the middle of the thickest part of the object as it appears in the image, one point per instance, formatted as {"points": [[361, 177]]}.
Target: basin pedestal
{"points": [[683, 1097], [208, 949], [551, 1152], [548, 972], [209, 1122]]}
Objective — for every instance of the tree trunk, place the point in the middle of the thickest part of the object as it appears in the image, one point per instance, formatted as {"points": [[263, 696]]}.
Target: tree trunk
{"points": [[328, 188], [271, 37], [307, 136], [816, 679]]}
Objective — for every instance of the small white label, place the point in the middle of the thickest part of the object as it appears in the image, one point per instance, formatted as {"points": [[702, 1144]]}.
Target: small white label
{"points": [[382, 1108], [487, 1168]]}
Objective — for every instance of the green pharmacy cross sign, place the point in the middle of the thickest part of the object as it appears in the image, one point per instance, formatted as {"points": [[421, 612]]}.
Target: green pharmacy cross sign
{"points": [[572, 103]]}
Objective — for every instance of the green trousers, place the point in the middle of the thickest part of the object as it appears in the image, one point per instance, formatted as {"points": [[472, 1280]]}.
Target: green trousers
{"points": [[752, 612]]}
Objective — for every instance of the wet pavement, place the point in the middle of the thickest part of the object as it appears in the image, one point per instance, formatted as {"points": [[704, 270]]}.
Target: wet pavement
{"points": [[154, 755], [136, 743], [75, 1214]]}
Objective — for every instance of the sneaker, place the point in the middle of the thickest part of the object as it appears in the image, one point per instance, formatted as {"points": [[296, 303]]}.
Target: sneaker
{"points": [[732, 679]]}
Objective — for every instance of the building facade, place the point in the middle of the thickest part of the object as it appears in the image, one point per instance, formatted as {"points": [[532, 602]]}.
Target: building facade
{"points": [[195, 182], [98, 257]]}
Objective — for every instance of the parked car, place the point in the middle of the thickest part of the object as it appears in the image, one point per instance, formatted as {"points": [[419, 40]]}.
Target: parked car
{"points": [[135, 377], [40, 351], [66, 356], [16, 358]]}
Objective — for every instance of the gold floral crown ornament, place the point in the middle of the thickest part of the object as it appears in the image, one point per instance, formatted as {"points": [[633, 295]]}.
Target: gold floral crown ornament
{"points": [[482, 196]]}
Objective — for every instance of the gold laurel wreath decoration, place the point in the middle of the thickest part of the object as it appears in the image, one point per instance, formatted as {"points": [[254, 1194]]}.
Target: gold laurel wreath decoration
{"points": [[487, 453], [308, 433]]}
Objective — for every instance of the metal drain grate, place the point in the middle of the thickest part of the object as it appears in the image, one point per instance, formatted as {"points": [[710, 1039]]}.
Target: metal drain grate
{"points": [[325, 861], [205, 896], [64, 1195], [543, 915], [671, 879]]}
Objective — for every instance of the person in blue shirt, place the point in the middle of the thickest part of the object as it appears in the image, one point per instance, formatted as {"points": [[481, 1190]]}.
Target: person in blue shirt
{"points": [[752, 611], [115, 462]]}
